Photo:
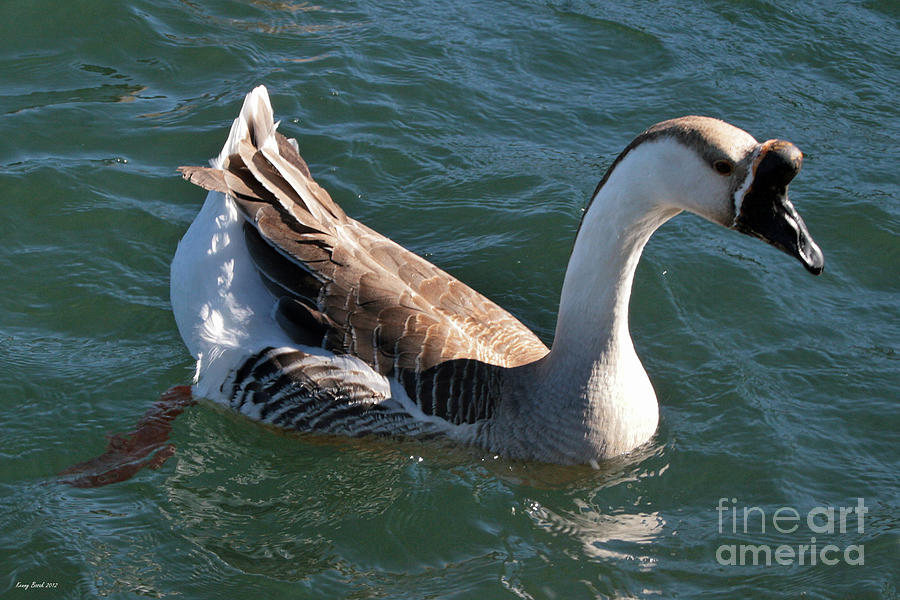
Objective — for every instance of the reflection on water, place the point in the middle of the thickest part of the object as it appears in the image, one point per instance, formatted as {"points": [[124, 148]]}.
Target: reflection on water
{"points": [[382, 514], [605, 536], [101, 93]]}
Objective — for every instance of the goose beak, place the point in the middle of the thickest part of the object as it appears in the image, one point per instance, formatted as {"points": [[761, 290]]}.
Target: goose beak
{"points": [[765, 211]]}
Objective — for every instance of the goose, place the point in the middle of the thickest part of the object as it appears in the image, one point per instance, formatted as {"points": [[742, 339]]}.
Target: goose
{"points": [[303, 318]]}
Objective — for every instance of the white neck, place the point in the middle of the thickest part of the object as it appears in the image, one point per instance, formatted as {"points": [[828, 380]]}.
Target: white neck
{"points": [[593, 309], [592, 377]]}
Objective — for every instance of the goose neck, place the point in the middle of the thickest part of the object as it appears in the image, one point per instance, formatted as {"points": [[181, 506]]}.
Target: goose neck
{"points": [[593, 312]]}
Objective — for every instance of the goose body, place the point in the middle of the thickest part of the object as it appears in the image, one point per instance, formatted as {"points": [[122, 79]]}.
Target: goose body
{"points": [[301, 317]]}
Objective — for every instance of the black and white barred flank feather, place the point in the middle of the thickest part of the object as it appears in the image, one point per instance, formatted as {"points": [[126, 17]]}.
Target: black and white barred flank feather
{"points": [[307, 392]]}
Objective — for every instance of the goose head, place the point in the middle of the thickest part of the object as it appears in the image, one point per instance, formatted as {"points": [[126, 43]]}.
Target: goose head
{"points": [[721, 173]]}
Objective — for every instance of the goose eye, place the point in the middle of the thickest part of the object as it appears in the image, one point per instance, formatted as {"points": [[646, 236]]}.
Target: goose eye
{"points": [[723, 167]]}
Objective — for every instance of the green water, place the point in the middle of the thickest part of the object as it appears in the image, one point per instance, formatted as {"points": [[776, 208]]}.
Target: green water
{"points": [[473, 133]]}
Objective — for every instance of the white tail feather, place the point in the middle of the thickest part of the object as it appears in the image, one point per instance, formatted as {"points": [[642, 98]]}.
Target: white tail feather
{"points": [[256, 122], [256, 127]]}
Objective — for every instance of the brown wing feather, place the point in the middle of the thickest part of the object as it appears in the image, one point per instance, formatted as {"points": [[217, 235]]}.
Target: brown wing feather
{"points": [[364, 294]]}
